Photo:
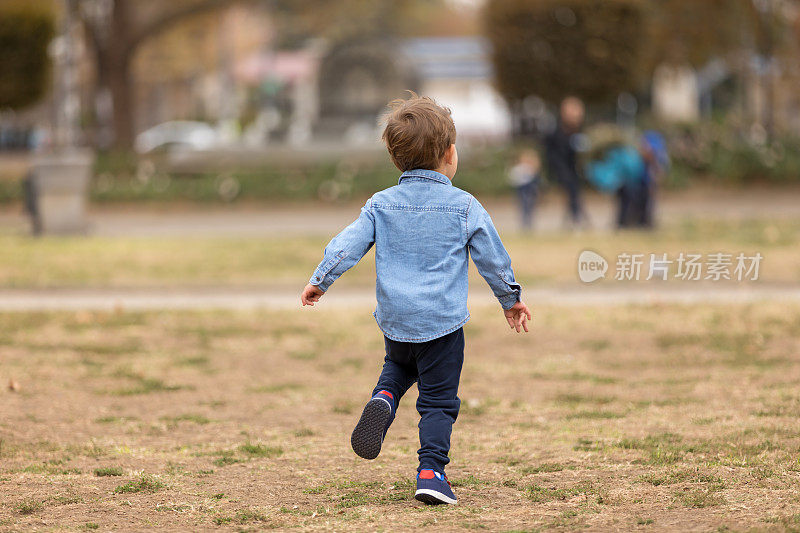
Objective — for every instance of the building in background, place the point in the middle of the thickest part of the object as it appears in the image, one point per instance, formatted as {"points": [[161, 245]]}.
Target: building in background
{"points": [[676, 96], [234, 69], [223, 68], [457, 72], [189, 72]]}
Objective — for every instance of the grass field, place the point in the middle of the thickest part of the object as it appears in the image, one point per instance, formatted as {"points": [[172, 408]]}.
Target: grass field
{"points": [[633, 418], [289, 261]]}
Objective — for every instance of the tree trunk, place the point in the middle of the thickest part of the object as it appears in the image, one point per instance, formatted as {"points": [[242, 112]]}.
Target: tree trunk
{"points": [[114, 50], [118, 76], [119, 85]]}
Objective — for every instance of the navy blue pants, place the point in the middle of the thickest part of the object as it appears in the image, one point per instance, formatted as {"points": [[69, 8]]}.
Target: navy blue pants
{"points": [[527, 199], [436, 366], [574, 202]]}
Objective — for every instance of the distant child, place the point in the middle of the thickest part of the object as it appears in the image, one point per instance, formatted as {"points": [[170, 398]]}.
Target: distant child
{"points": [[524, 177], [424, 231]]}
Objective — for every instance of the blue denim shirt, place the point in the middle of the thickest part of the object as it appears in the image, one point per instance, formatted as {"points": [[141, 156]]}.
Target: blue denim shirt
{"points": [[424, 230]]}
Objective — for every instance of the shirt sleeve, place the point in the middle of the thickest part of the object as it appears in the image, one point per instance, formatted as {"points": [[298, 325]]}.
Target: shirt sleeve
{"points": [[490, 256], [346, 249]]}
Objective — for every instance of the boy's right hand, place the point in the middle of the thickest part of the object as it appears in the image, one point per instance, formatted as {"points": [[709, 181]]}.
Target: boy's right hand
{"points": [[518, 316], [311, 294]]}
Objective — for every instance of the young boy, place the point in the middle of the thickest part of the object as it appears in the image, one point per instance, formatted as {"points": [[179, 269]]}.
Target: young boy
{"points": [[524, 177], [424, 230]]}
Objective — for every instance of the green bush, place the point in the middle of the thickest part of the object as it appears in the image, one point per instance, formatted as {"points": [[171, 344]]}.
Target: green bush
{"points": [[555, 48], [117, 179], [10, 190], [25, 34], [719, 151], [708, 152]]}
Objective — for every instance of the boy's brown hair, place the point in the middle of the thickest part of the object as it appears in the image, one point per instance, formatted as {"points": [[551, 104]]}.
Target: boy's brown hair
{"points": [[418, 132]]}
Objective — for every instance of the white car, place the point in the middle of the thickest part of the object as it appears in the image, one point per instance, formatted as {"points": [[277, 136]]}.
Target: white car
{"points": [[181, 134]]}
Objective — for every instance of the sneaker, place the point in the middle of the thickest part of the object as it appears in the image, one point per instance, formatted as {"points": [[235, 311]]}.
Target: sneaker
{"points": [[433, 488], [368, 434]]}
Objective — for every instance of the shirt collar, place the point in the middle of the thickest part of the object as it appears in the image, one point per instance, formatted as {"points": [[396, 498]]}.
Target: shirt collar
{"points": [[425, 174]]}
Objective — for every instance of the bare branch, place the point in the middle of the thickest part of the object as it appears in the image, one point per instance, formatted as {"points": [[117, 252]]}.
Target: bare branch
{"points": [[170, 17]]}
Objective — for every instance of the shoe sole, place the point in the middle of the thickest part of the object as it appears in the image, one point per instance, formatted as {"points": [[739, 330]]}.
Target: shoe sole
{"points": [[367, 436], [433, 497]]}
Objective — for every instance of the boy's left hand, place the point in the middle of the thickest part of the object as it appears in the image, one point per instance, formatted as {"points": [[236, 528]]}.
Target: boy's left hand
{"points": [[518, 316], [311, 294]]}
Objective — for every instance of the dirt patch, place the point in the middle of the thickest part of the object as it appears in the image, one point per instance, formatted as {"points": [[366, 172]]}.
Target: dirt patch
{"points": [[629, 417]]}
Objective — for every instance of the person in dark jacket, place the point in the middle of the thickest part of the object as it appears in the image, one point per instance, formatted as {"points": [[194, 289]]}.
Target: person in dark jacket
{"points": [[562, 156]]}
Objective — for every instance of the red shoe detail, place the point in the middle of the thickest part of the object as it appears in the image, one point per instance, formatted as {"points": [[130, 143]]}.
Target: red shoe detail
{"points": [[387, 393], [426, 474]]}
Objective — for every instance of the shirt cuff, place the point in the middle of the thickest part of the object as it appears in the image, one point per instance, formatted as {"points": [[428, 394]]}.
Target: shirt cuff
{"points": [[318, 280], [509, 300]]}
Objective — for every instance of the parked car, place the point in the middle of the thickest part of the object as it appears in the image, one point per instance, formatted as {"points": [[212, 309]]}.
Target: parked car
{"points": [[180, 134]]}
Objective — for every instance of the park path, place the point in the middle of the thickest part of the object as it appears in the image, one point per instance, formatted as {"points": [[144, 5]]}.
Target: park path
{"points": [[254, 220], [231, 298], [326, 219]]}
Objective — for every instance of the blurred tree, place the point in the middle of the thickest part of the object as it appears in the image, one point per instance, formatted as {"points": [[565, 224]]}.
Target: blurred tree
{"points": [[741, 28], [25, 33], [441, 18], [116, 29], [772, 21], [680, 31], [554, 48], [345, 20]]}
